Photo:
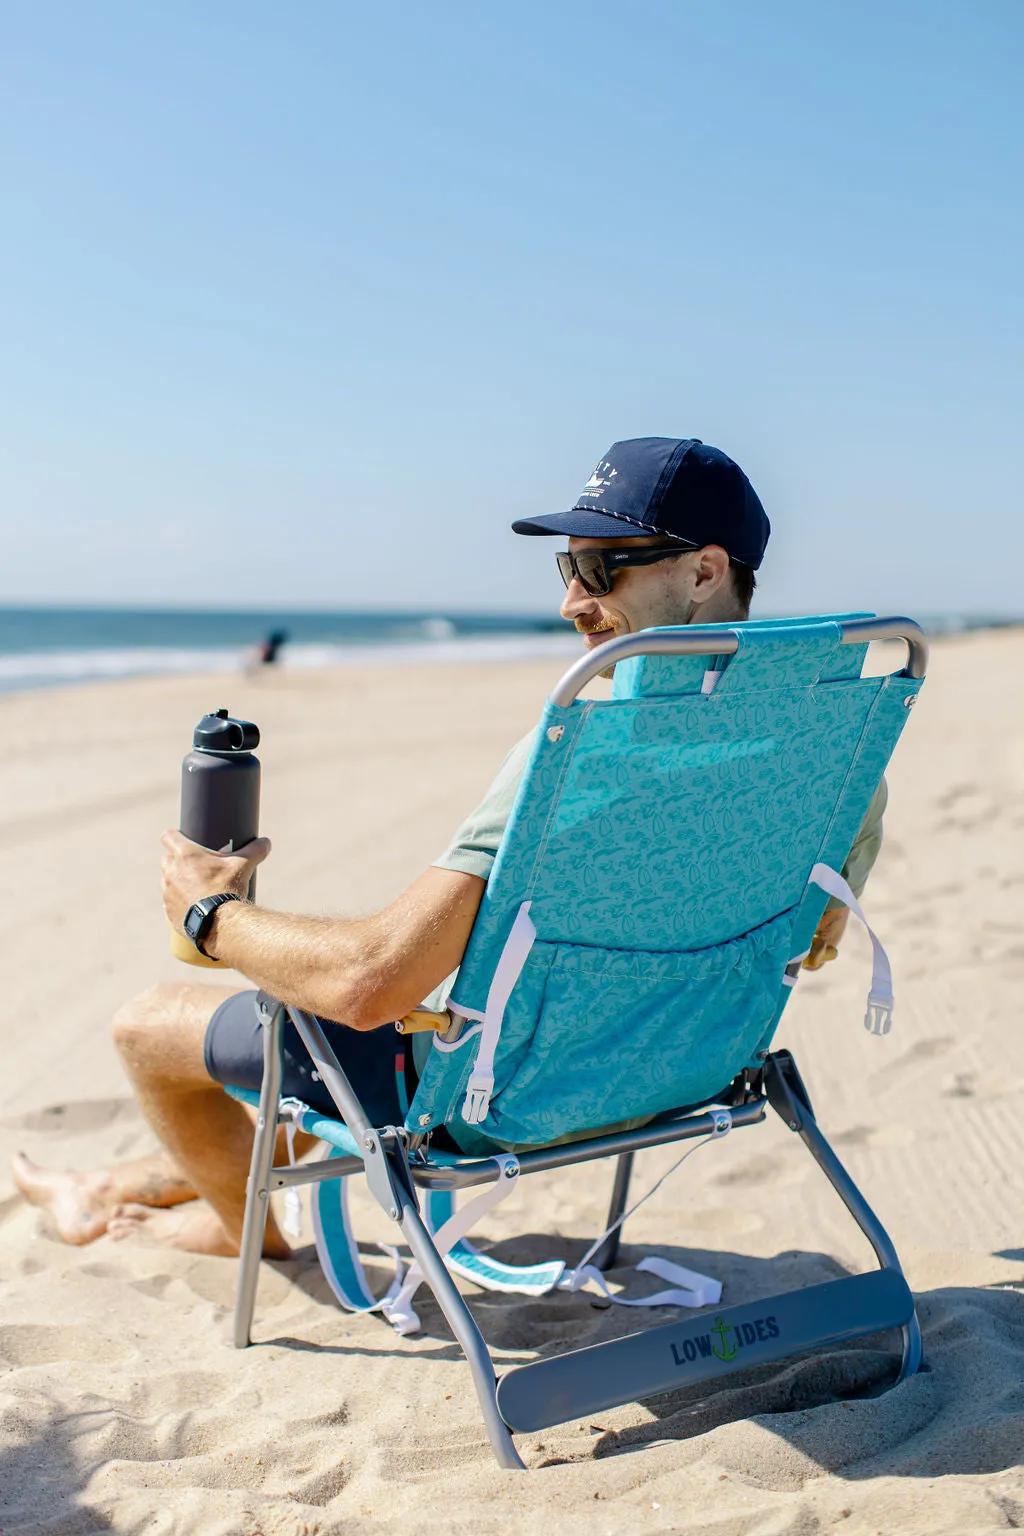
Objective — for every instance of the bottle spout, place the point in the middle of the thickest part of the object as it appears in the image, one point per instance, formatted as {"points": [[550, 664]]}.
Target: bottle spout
{"points": [[220, 733]]}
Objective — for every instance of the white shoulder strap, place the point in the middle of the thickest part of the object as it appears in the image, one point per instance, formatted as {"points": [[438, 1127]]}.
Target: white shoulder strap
{"points": [[399, 1309], [506, 974], [878, 1018]]}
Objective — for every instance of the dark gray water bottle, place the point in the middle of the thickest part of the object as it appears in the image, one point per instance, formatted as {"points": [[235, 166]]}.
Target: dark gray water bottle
{"points": [[220, 797]]}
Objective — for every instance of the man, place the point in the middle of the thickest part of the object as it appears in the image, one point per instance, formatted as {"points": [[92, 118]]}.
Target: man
{"points": [[666, 531]]}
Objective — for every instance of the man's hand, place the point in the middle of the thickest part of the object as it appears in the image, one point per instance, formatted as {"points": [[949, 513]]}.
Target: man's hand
{"points": [[189, 872], [825, 944]]}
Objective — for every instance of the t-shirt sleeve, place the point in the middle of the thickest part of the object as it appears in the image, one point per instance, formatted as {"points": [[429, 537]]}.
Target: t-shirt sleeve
{"points": [[866, 845], [472, 849]]}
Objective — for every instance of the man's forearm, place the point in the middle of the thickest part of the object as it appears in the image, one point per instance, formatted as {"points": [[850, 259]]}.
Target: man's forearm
{"points": [[362, 972], [323, 965]]}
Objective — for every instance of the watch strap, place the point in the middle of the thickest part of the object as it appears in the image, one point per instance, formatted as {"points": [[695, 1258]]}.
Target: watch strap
{"points": [[206, 907]]}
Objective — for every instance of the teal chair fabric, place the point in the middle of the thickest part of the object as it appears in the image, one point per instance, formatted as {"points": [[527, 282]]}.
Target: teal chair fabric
{"points": [[663, 839]]}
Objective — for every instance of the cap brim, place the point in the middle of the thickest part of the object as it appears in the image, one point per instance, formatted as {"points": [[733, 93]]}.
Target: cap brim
{"points": [[581, 523]]}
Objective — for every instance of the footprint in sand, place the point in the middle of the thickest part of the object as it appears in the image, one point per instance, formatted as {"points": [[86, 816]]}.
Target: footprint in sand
{"points": [[922, 1051], [893, 1136], [856, 1136], [148, 1285], [100, 1271], [767, 1170], [320, 1488], [44, 1344], [874, 1136], [152, 1285], [76, 1118], [966, 807], [166, 1438], [163, 1395]]}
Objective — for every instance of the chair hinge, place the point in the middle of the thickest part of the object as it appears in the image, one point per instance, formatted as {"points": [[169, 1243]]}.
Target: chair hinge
{"points": [[387, 1170], [786, 1092]]}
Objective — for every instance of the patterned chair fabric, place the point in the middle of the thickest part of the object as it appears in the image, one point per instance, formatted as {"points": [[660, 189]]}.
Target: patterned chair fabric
{"points": [[663, 838]]}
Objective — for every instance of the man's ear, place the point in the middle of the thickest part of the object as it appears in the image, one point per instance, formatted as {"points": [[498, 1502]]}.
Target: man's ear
{"points": [[711, 574]]}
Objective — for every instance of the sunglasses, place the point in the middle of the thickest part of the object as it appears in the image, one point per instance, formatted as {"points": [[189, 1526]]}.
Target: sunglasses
{"points": [[595, 569]]}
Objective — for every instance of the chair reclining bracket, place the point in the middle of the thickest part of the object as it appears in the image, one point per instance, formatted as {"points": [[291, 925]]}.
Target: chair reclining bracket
{"points": [[786, 1092], [387, 1170], [747, 1087]]}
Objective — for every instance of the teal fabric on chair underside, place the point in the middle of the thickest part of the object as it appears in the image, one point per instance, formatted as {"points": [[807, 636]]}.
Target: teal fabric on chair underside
{"points": [[664, 845]]}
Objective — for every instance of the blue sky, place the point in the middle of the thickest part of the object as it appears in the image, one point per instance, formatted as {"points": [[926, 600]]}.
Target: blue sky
{"points": [[301, 304]]}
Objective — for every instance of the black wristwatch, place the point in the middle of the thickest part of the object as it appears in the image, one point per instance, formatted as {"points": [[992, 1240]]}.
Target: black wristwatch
{"points": [[199, 917]]}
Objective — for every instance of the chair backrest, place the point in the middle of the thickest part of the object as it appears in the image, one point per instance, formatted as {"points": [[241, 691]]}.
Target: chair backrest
{"points": [[663, 839]]}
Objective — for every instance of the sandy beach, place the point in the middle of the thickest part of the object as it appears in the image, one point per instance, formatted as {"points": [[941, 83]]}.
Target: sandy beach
{"points": [[122, 1405]]}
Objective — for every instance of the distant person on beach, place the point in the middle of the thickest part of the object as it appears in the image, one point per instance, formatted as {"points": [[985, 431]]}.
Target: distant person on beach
{"points": [[268, 652], [665, 531]]}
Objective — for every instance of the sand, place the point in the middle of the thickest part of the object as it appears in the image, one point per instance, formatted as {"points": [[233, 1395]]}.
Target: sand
{"points": [[122, 1405]]}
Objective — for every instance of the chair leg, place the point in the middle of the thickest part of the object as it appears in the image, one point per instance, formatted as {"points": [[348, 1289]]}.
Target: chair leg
{"points": [[463, 1325], [913, 1351], [605, 1256], [789, 1098], [257, 1190]]}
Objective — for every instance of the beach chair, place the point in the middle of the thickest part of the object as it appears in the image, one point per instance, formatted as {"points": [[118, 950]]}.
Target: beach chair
{"points": [[666, 864]]}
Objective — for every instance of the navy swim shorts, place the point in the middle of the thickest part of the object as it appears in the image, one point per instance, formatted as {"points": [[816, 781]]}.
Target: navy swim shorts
{"points": [[377, 1062]]}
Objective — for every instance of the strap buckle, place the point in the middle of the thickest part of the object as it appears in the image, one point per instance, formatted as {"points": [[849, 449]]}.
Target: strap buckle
{"points": [[477, 1102], [878, 1018]]}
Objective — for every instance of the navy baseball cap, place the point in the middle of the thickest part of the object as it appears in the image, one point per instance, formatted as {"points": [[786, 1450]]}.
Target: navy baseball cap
{"points": [[676, 486]]}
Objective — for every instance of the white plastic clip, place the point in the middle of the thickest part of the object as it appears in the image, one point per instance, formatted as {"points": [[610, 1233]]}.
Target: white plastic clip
{"points": [[878, 1019], [292, 1195], [478, 1097], [721, 1122]]}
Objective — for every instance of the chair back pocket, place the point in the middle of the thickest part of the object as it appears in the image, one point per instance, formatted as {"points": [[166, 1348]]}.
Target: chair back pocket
{"points": [[594, 1037]]}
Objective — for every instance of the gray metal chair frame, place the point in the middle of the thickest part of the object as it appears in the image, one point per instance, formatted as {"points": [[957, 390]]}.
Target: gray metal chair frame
{"points": [[585, 1381]]}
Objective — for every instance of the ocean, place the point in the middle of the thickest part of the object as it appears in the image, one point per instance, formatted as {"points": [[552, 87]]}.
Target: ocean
{"points": [[53, 647]]}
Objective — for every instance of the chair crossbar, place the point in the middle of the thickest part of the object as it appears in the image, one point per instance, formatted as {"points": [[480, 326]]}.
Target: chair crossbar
{"points": [[601, 1376], [467, 1172], [289, 1175]]}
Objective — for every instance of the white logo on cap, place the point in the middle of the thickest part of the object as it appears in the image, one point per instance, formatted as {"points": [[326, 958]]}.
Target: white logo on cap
{"points": [[603, 476]]}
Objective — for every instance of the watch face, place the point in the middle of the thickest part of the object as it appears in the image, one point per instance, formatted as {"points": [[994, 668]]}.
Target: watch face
{"points": [[193, 921]]}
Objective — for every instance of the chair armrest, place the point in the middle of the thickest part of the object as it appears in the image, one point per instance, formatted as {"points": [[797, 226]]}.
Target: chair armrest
{"points": [[422, 1019]]}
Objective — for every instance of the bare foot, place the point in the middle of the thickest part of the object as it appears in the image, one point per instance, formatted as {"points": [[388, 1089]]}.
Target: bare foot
{"points": [[197, 1230], [79, 1204]]}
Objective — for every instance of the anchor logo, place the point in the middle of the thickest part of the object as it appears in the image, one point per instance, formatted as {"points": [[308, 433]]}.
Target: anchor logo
{"points": [[723, 1350]]}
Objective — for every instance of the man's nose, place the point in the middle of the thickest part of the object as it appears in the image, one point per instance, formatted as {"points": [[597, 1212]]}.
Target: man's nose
{"points": [[577, 600]]}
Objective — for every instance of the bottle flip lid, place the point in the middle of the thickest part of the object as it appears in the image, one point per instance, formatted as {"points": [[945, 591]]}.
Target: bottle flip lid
{"points": [[220, 733]]}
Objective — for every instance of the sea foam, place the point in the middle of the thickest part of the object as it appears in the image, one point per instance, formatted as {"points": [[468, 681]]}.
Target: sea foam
{"points": [[53, 669]]}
